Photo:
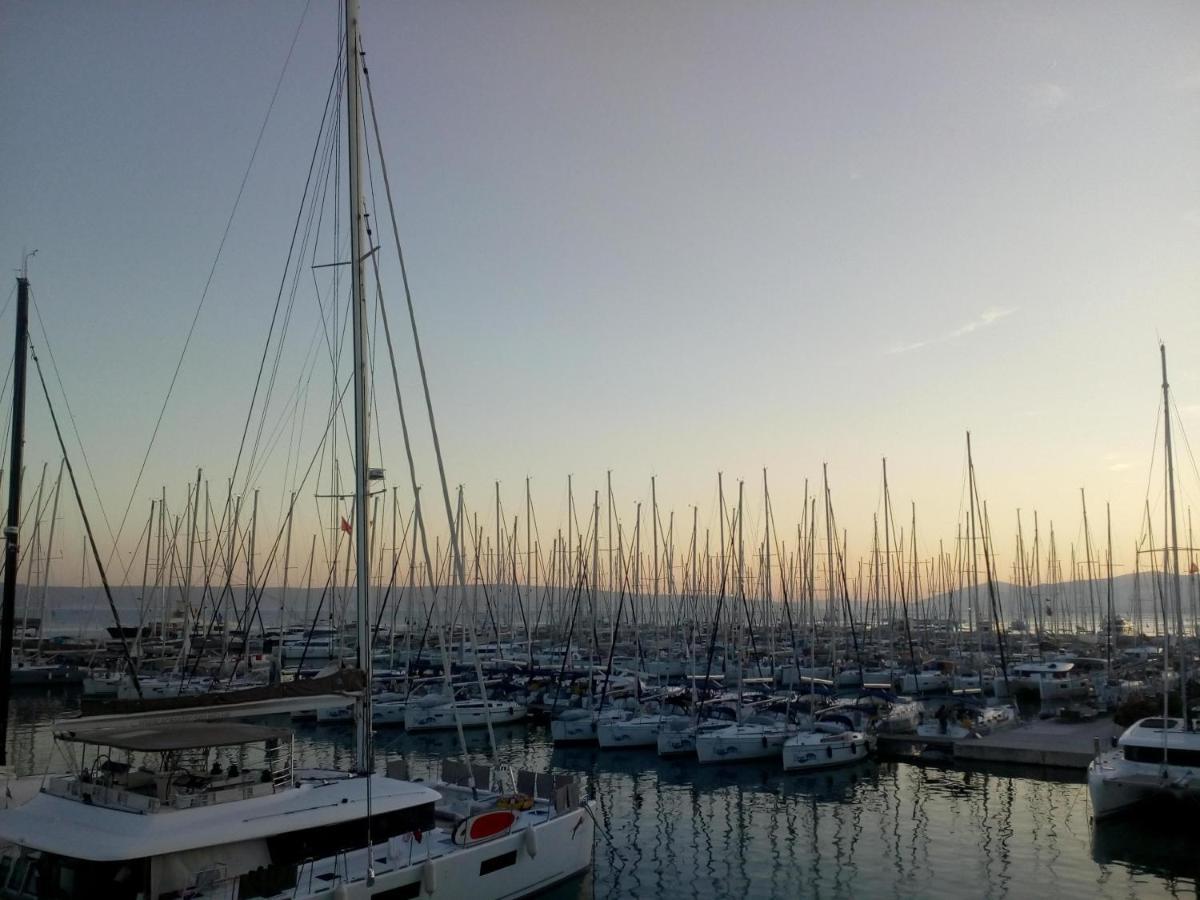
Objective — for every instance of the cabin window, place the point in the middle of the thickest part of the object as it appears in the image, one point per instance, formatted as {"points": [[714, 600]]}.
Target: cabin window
{"points": [[404, 892], [64, 878], [328, 840], [496, 863], [1174, 756]]}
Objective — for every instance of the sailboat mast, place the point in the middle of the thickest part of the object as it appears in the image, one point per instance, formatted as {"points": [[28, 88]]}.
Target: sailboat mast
{"points": [[11, 543], [358, 307], [1183, 674]]}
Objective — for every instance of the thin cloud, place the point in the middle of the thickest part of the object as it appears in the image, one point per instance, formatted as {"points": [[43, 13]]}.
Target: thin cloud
{"points": [[986, 319], [989, 316], [1115, 461], [905, 348]]}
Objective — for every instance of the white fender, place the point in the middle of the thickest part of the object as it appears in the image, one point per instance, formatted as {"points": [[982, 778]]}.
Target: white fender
{"points": [[429, 877], [531, 841]]}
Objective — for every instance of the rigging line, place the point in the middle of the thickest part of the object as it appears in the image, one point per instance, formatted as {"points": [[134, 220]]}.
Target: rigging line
{"points": [[312, 230], [333, 343], [412, 317], [207, 284], [316, 230], [87, 463], [392, 581], [296, 436], [254, 470], [279, 294], [1186, 443], [412, 470], [87, 525], [1153, 451], [295, 284], [8, 415], [270, 562], [373, 333], [408, 453]]}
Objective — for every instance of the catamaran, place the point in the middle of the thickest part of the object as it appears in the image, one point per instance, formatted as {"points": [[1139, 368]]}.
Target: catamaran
{"points": [[1157, 757]]}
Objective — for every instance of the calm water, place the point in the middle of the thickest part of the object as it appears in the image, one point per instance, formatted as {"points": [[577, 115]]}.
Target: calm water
{"points": [[887, 829]]}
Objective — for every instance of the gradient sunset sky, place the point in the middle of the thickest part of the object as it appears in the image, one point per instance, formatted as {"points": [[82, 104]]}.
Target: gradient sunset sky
{"points": [[668, 238]]}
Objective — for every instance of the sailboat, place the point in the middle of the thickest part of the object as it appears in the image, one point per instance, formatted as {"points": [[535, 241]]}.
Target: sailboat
{"points": [[824, 746], [208, 823], [1157, 757]]}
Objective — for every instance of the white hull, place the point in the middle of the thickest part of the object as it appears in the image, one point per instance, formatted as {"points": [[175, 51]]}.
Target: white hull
{"points": [[677, 735], [816, 750], [988, 720], [1111, 793], [1064, 688], [925, 682], [640, 731], [470, 714], [383, 713], [159, 688], [1149, 762], [558, 850], [315, 649], [879, 676], [735, 743], [573, 731], [580, 726]]}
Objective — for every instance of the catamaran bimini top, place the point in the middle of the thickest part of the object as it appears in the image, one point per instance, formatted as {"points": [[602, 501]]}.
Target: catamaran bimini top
{"points": [[167, 738]]}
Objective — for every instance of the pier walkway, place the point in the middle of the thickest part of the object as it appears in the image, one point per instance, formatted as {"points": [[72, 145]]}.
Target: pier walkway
{"points": [[1042, 742]]}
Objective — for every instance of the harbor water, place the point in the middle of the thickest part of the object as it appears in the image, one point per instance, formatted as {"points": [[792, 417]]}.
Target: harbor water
{"points": [[885, 828]]}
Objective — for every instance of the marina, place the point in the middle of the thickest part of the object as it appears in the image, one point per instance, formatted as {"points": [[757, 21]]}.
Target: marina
{"points": [[679, 830], [545, 492]]}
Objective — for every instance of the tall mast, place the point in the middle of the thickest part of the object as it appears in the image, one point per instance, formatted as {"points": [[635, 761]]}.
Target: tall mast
{"points": [[974, 554], [1087, 548], [833, 661], [741, 563], [11, 545], [1108, 635], [887, 572], [654, 531], [358, 306], [721, 544], [608, 536], [769, 623], [1183, 675]]}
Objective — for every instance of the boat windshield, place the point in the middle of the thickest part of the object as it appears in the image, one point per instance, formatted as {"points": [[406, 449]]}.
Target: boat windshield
{"points": [[34, 874]]}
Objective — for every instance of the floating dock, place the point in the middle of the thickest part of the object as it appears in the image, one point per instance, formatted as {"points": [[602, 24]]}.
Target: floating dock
{"points": [[1043, 742]]}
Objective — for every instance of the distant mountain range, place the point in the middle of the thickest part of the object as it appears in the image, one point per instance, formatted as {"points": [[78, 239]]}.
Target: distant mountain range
{"points": [[85, 611]]}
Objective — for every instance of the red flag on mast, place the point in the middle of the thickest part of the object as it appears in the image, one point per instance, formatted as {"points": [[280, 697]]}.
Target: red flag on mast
{"points": [[345, 525]]}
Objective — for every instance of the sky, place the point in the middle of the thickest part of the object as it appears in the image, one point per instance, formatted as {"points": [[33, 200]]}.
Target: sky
{"points": [[659, 239]]}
